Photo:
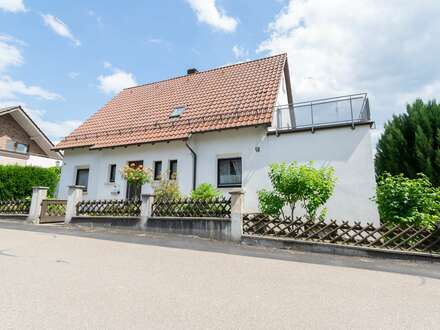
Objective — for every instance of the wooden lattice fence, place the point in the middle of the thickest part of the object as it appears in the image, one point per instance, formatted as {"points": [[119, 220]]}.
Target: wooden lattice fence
{"points": [[53, 210], [188, 207], [15, 206], [394, 237], [109, 208]]}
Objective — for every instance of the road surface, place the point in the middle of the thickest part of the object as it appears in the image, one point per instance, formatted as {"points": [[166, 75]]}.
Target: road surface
{"points": [[50, 280]]}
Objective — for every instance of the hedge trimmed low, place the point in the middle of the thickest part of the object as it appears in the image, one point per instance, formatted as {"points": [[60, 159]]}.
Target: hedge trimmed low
{"points": [[16, 181]]}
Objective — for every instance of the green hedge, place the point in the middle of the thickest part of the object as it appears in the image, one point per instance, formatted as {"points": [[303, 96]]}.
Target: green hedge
{"points": [[16, 182]]}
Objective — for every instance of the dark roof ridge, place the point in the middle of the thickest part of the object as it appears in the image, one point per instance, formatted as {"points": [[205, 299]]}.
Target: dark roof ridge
{"points": [[209, 70]]}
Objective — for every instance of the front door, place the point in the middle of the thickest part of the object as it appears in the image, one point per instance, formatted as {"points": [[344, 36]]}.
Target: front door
{"points": [[134, 190]]}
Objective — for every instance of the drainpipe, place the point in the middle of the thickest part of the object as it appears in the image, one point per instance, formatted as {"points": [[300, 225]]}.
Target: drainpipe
{"points": [[194, 156]]}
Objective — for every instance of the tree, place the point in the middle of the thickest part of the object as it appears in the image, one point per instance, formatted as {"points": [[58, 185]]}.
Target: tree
{"points": [[408, 201], [295, 185], [410, 143]]}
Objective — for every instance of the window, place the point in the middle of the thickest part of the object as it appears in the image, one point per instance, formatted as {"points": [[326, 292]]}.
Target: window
{"points": [[157, 170], [177, 112], [112, 173], [173, 169], [21, 148], [229, 172], [10, 145], [82, 177]]}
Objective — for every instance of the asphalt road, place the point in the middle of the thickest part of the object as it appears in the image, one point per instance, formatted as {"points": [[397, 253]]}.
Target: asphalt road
{"points": [[54, 278]]}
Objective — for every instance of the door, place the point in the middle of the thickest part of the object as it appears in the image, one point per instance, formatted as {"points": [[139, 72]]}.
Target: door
{"points": [[134, 190]]}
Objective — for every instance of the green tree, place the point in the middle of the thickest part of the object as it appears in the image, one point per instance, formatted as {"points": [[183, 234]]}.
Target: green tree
{"points": [[410, 143], [408, 201], [295, 185]]}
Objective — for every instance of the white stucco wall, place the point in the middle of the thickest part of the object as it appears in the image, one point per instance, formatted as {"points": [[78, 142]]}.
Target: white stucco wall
{"points": [[42, 161], [348, 151], [98, 162]]}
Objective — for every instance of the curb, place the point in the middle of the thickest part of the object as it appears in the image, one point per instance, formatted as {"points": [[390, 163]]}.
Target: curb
{"points": [[336, 249]]}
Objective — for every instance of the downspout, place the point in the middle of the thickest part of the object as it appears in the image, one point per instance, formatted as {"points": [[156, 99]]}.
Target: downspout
{"points": [[194, 156]]}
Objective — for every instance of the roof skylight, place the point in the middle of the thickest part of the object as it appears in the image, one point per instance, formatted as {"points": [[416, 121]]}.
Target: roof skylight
{"points": [[177, 112]]}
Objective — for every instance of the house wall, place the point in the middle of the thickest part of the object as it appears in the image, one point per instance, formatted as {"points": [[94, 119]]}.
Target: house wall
{"points": [[348, 151], [11, 130], [98, 162]]}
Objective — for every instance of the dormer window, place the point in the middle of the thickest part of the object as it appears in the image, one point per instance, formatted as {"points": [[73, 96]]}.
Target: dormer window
{"points": [[177, 112]]}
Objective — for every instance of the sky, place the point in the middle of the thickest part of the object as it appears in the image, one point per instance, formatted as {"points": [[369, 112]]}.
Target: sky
{"points": [[63, 60]]}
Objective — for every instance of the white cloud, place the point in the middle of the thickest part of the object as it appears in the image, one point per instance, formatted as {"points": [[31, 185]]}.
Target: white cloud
{"points": [[13, 6], [207, 12], [9, 88], [60, 28], [73, 75], [54, 129], [98, 18], [116, 81], [107, 65], [9, 52], [240, 52], [387, 48]]}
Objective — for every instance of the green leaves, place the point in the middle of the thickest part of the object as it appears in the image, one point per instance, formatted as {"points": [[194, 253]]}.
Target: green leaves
{"points": [[294, 185], [410, 201], [205, 191], [410, 143], [16, 182], [167, 190]]}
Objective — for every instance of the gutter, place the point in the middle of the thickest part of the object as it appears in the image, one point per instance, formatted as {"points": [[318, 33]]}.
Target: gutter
{"points": [[194, 156]]}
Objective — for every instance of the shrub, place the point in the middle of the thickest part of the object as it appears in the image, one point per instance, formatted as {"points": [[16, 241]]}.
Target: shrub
{"points": [[295, 185], [408, 201], [205, 191], [16, 181], [166, 189]]}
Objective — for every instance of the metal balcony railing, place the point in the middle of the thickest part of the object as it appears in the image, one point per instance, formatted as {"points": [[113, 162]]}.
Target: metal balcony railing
{"points": [[350, 109]]}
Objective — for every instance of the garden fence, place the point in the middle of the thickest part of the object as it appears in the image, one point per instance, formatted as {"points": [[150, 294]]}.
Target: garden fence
{"points": [[109, 208], [188, 207], [390, 236], [15, 206]]}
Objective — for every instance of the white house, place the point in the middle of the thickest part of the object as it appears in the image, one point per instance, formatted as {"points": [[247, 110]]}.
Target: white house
{"points": [[22, 142], [225, 126]]}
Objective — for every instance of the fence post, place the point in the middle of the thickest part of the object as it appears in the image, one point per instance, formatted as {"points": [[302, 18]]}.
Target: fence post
{"points": [[146, 209], [74, 196], [237, 197], [38, 194]]}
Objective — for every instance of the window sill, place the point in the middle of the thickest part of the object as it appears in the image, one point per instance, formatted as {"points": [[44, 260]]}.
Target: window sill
{"points": [[229, 186]]}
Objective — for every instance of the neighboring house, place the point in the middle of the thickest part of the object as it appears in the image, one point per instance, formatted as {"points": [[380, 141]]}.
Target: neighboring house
{"points": [[22, 142], [225, 126]]}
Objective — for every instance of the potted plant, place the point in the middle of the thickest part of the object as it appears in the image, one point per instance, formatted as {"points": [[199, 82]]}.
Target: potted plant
{"points": [[136, 176]]}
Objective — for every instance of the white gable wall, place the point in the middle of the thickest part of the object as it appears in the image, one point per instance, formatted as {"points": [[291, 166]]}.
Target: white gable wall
{"points": [[348, 151]]}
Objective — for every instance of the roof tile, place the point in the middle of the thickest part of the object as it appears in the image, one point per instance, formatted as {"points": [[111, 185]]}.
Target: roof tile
{"points": [[238, 95]]}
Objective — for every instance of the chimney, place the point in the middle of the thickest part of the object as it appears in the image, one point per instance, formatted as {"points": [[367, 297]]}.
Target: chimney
{"points": [[191, 71]]}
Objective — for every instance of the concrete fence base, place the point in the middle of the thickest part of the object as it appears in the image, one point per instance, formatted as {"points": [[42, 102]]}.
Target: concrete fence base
{"points": [[213, 228], [337, 249]]}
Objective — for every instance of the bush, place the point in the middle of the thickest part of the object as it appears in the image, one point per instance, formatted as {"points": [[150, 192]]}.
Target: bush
{"points": [[16, 182], [205, 191], [166, 189], [295, 185], [409, 201]]}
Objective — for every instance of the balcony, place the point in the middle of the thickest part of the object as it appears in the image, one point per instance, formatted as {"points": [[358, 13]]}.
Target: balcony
{"points": [[350, 110]]}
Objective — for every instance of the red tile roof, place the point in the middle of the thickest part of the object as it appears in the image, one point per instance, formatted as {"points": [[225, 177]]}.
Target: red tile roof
{"points": [[233, 96]]}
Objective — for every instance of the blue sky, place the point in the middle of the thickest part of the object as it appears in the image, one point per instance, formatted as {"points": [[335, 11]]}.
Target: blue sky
{"points": [[64, 60]]}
